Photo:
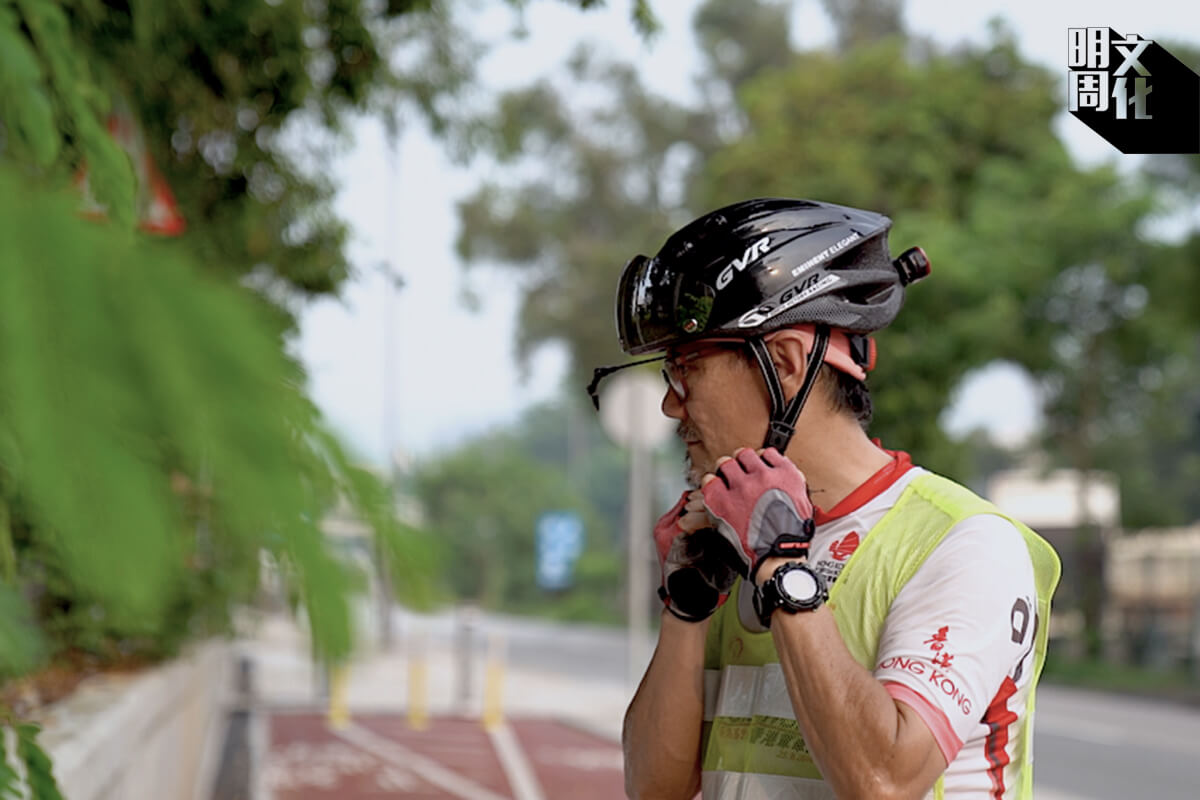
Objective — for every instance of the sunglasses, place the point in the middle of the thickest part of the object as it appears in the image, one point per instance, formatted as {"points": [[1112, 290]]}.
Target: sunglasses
{"points": [[674, 369]]}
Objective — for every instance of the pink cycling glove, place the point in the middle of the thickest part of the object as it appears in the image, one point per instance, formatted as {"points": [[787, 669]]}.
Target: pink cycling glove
{"points": [[698, 569], [760, 506]]}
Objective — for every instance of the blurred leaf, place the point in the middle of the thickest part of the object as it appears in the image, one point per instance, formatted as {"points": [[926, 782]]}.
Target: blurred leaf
{"points": [[109, 175], [23, 100], [156, 427], [21, 647], [9, 780], [215, 88], [39, 773]]}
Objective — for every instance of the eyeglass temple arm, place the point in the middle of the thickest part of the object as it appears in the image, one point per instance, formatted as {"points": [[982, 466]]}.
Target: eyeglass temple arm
{"points": [[600, 373]]}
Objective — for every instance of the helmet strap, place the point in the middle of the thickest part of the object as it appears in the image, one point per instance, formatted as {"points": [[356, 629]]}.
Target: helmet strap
{"points": [[782, 425]]}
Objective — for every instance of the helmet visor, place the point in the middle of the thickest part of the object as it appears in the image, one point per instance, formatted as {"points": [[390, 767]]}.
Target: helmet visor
{"points": [[658, 306]]}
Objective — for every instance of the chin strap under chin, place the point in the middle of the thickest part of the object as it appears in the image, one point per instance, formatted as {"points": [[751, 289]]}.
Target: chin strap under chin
{"points": [[783, 413]]}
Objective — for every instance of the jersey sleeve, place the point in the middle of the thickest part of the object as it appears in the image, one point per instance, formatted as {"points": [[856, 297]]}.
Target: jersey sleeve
{"points": [[960, 627]]}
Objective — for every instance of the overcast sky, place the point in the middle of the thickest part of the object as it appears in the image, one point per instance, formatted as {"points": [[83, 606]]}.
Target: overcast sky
{"points": [[453, 373]]}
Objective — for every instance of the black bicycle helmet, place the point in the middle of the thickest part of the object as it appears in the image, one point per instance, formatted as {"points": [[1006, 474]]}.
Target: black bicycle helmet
{"points": [[759, 265]]}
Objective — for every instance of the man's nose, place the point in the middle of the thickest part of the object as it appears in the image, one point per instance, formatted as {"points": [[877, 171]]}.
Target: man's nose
{"points": [[671, 405]]}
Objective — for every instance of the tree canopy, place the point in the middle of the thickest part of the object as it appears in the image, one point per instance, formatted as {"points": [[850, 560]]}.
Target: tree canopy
{"points": [[957, 145], [237, 103]]}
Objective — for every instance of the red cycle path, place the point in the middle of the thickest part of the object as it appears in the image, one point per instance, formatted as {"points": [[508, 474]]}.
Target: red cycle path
{"points": [[380, 756]]}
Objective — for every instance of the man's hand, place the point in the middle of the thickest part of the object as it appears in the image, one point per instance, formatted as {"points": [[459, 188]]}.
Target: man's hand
{"points": [[759, 503], [698, 565]]}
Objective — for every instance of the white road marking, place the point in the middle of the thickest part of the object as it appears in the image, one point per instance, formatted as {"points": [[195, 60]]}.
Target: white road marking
{"points": [[583, 758], [428, 769], [516, 766]]}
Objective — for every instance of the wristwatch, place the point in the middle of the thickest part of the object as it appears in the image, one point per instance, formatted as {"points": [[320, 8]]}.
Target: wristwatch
{"points": [[794, 587]]}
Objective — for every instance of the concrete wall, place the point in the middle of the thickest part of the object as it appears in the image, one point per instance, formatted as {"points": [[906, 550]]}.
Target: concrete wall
{"points": [[150, 736]]}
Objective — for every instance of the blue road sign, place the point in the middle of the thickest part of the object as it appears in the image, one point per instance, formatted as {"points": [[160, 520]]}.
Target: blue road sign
{"points": [[559, 545]]}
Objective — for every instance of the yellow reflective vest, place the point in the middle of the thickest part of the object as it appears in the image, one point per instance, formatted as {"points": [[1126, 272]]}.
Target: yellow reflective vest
{"points": [[750, 753]]}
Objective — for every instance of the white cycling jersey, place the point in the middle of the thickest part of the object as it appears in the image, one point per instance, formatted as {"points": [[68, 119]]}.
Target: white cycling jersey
{"points": [[956, 646]]}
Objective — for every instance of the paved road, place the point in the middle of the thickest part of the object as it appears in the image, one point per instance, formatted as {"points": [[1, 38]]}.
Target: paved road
{"points": [[379, 756], [1093, 745], [1089, 745]]}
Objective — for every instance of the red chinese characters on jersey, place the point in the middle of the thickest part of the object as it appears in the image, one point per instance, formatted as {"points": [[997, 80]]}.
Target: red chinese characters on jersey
{"points": [[937, 645], [937, 642]]}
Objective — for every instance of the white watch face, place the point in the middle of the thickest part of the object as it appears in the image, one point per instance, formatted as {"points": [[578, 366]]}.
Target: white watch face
{"points": [[799, 584]]}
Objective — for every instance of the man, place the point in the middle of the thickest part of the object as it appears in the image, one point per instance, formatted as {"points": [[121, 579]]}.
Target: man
{"points": [[885, 627]]}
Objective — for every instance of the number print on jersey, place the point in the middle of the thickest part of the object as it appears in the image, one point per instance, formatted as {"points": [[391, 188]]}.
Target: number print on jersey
{"points": [[1019, 618]]}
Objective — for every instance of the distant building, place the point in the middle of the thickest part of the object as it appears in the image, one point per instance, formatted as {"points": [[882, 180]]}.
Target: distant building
{"points": [[1153, 579], [1051, 501]]}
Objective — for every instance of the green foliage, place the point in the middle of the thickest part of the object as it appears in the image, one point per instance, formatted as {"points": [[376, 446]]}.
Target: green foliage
{"points": [[1174, 685], [38, 770], [483, 500], [611, 178], [740, 40], [960, 149], [20, 647], [409, 553], [26, 105], [212, 86], [957, 145], [216, 89], [38, 782], [9, 779], [154, 439], [75, 131]]}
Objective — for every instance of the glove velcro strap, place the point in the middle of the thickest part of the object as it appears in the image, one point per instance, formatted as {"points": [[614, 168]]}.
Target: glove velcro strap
{"points": [[793, 544], [788, 546]]}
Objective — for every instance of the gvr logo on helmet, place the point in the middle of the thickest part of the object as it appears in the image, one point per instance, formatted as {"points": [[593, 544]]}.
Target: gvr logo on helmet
{"points": [[752, 254], [795, 295]]}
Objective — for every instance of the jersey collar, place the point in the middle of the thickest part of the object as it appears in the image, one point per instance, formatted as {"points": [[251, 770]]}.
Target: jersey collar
{"points": [[869, 489]]}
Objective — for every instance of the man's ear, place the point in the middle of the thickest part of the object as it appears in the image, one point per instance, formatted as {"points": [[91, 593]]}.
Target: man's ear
{"points": [[790, 356]]}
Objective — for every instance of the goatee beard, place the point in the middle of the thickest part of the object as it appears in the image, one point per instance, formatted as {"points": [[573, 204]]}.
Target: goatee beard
{"points": [[691, 473]]}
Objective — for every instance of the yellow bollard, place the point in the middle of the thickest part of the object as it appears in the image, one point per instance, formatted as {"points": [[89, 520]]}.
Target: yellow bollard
{"points": [[418, 686], [339, 708], [493, 684]]}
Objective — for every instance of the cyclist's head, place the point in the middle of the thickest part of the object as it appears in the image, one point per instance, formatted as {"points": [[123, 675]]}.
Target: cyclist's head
{"points": [[760, 266]]}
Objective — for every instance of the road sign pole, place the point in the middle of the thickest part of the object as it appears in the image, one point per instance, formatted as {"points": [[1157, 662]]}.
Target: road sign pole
{"points": [[630, 413], [638, 584]]}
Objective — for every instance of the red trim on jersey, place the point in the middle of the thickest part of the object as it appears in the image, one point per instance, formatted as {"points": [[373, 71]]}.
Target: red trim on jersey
{"points": [[935, 719], [998, 719], [871, 488]]}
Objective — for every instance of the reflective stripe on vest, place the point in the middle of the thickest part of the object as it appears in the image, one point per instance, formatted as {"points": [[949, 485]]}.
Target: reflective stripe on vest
{"points": [[751, 743], [747, 786]]}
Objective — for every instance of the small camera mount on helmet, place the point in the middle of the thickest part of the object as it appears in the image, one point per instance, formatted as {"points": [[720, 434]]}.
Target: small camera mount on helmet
{"points": [[913, 265]]}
